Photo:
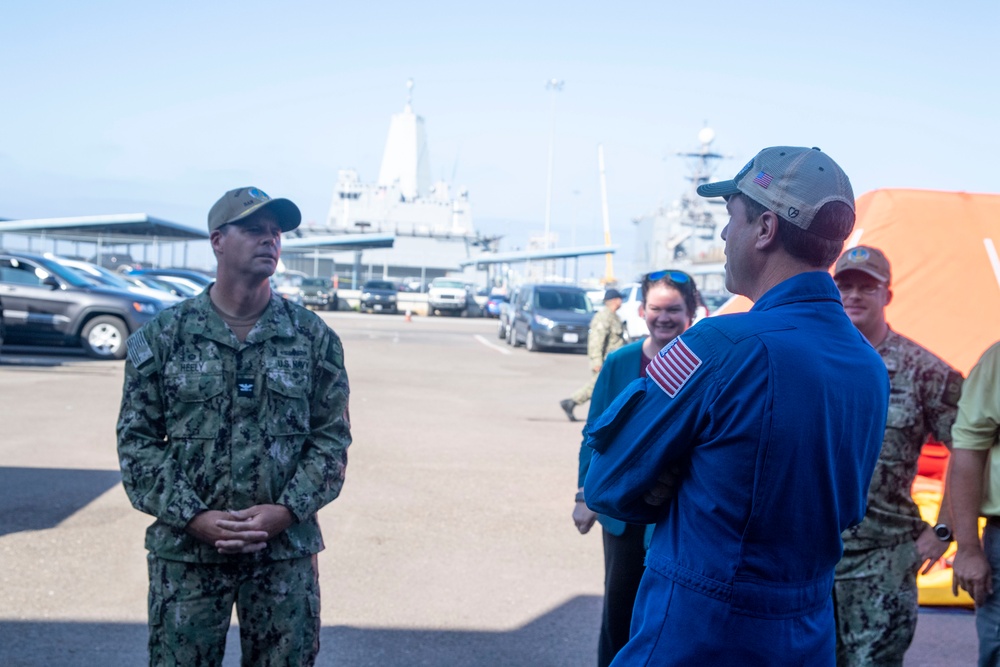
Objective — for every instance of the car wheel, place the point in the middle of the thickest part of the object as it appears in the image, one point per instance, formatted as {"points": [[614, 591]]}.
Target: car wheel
{"points": [[530, 343], [501, 334], [104, 337]]}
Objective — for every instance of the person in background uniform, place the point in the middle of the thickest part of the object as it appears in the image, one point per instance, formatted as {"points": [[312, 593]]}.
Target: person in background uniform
{"points": [[669, 301], [752, 441], [875, 589], [974, 480], [233, 433], [606, 335]]}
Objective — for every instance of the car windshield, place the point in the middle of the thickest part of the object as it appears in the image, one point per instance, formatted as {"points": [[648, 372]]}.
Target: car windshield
{"points": [[453, 284], [315, 282], [66, 274], [379, 284], [100, 274], [570, 300]]}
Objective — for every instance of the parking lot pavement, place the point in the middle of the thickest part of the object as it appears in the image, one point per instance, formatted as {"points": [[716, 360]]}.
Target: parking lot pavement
{"points": [[452, 542]]}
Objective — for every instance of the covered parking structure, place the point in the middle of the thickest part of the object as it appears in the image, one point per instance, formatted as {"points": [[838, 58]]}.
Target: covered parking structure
{"points": [[493, 263], [106, 234]]}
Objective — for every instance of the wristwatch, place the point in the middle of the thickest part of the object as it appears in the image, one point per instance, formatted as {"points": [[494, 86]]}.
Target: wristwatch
{"points": [[579, 496], [943, 532]]}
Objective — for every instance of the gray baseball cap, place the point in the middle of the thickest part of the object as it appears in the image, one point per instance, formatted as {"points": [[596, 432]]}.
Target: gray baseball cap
{"points": [[241, 203], [794, 182]]}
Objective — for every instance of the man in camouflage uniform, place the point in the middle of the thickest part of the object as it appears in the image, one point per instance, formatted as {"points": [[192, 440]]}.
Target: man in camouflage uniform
{"points": [[606, 335], [875, 590], [233, 433]]}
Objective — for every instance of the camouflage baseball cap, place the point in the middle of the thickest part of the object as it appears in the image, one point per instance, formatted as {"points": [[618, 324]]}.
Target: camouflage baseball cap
{"points": [[793, 182], [865, 259], [241, 203]]}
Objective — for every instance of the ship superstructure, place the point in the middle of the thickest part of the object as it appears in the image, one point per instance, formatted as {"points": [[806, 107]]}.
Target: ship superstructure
{"points": [[431, 222]]}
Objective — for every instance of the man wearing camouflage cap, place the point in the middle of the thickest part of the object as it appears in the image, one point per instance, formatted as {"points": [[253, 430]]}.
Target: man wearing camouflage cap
{"points": [[752, 439], [233, 433], [875, 590]]}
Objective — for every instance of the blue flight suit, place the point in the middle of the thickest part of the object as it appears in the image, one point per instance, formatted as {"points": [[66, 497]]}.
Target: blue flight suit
{"points": [[776, 417]]}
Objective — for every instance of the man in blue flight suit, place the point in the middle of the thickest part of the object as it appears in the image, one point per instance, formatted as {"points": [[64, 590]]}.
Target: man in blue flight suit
{"points": [[774, 419]]}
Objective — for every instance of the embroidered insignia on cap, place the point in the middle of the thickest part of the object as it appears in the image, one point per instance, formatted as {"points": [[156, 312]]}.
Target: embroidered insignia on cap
{"points": [[763, 179], [258, 194], [673, 367], [138, 349], [857, 255]]}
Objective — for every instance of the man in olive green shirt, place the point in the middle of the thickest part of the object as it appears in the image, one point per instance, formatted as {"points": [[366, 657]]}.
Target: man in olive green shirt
{"points": [[975, 459], [606, 335], [233, 433]]}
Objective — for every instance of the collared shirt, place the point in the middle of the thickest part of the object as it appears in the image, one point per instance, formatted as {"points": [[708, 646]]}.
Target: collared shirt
{"points": [[978, 423], [208, 422], [923, 401], [776, 418]]}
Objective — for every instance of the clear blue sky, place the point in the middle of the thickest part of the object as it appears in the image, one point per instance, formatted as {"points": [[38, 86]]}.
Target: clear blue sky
{"points": [[117, 107]]}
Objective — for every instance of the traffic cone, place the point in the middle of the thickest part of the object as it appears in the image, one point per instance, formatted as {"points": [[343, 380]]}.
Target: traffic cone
{"points": [[408, 317]]}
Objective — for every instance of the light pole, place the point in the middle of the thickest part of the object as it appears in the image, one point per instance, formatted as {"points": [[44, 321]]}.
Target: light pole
{"points": [[554, 86]]}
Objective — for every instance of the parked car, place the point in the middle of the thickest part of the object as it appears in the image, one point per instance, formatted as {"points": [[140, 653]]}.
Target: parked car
{"points": [[492, 307], [178, 289], [288, 285], [109, 278], [635, 326], [448, 295], [551, 316], [47, 303], [379, 296], [186, 277], [319, 293], [504, 315]]}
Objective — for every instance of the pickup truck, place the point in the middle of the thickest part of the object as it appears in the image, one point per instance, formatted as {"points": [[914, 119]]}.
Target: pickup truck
{"points": [[447, 295]]}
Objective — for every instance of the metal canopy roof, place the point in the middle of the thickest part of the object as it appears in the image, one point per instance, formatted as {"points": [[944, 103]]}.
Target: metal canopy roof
{"points": [[124, 228], [532, 255], [335, 242]]}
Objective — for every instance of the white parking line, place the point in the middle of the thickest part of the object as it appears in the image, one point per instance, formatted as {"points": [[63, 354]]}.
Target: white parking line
{"points": [[501, 350]]}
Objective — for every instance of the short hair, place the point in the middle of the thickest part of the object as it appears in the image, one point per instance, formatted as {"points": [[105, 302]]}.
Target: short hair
{"points": [[813, 249], [687, 289]]}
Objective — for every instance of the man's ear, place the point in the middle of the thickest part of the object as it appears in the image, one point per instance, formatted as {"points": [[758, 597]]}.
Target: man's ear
{"points": [[767, 231], [215, 239], [888, 296]]}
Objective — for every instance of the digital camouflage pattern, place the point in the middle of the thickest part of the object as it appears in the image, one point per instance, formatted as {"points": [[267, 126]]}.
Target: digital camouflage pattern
{"points": [[207, 422], [606, 335], [923, 400], [190, 605], [875, 583], [875, 602]]}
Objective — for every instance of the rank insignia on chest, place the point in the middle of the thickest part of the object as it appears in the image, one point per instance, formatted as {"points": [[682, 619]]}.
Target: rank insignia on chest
{"points": [[244, 387]]}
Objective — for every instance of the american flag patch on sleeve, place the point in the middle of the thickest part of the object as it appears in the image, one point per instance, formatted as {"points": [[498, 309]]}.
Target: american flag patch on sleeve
{"points": [[138, 349], [673, 367]]}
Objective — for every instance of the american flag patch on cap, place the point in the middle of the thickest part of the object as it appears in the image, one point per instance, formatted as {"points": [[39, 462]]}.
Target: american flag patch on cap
{"points": [[763, 179], [673, 367]]}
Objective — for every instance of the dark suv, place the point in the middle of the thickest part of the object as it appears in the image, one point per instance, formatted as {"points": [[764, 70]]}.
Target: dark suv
{"points": [[379, 296], [45, 303], [550, 316], [318, 293]]}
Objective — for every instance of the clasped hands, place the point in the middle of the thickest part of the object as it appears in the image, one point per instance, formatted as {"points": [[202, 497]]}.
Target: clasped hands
{"points": [[240, 531]]}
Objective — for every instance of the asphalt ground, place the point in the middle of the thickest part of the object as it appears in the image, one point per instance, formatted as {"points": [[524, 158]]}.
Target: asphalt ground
{"points": [[451, 544]]}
